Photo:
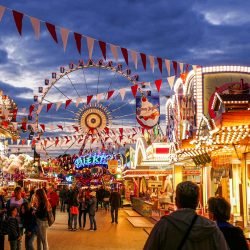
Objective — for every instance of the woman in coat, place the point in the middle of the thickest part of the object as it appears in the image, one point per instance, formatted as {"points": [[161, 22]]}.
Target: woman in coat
{"points": [[92, 207]]}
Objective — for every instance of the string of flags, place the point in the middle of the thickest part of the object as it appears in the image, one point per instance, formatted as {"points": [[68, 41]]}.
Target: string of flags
{"points": [[128, 55]]}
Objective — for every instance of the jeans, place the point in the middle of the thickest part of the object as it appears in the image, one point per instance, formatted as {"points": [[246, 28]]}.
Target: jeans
{"points": [[42, 241], [14, 245], [92, 222], [114, 210], [82, 213], [73, 218], [29, 240]]}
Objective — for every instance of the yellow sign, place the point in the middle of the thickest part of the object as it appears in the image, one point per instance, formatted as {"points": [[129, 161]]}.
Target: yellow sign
{"points": [[112, 166]]}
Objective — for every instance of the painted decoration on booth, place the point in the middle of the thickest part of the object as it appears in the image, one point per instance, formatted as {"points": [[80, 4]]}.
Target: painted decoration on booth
{"points": [[112, 166], [147, 111]]}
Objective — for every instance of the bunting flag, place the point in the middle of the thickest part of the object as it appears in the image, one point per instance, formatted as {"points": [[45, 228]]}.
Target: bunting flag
{"points": [[52, 30], [134, 57], [2, 10], [121, 131], [194, 67], [45, 143], [36, 26], [18, 17], [152, 63], [125, 54], [187, 65], [171, 80], [110, 93], [49, 105], [58, 105], [57, 141], [67, 103], [60, 126], [158, 84], [175, 67], [76, 128], [42, 126], [167, 63], [181, 67], [159, 60], [31, 109], [23, 141], [122, 93], [80, 140], [113, 49], [89, 97], [99, 97], [144, 61], [134, 90], [78, 39], [90, 44], [64, 35], [106, 130], [103, 48]]}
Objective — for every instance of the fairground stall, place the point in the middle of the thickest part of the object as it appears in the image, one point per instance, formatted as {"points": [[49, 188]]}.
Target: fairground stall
{"points": [[215, 135]]}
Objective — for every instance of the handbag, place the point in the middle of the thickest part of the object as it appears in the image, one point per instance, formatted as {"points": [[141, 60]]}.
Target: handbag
{"points": [[187, 233], [74, 210], [50, 218]]}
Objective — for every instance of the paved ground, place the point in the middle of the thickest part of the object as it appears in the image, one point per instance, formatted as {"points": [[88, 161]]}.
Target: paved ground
{"points": [[107, 237]]}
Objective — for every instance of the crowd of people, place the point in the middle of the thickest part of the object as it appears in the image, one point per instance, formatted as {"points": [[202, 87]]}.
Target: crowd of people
{"points": [[26, 214]]}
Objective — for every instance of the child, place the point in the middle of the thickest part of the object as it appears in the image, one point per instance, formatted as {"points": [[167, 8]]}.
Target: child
{"points": [[13, 229]]}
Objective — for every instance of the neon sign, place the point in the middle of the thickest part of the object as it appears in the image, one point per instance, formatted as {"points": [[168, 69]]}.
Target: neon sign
{"points": [[91, 160]]}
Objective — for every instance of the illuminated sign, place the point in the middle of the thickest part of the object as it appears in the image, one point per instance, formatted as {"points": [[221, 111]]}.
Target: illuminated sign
{"points": [[92, 160], [69, 178]]}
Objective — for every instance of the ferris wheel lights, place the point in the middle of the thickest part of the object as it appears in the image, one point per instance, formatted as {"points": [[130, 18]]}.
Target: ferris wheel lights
{"points": [[46, 81], [119, 67], [40, 89], [128, 71], [54, 75], [35, 98], [100, 62], [90, 62], [81, 63], [71, 66], [110, 64]]}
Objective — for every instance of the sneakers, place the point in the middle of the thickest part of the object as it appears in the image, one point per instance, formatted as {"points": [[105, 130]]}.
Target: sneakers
{"points": [[116, 222], [112, 221], [74, 229], [91, 230]]}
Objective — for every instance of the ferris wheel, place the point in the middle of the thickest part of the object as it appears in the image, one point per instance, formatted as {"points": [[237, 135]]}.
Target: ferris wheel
{"points": [[86, 106]]}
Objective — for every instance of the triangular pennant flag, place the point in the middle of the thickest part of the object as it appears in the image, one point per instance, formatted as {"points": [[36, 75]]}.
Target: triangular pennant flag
{"points": [[67, 103], [49, 105], [32, 107], [58, 105], [113, 49], [194, 67], [24, 125], [36, 26], [171, 81], [134, 90], [158, 84], [152, 63], [106, 130], [52, 127], [122, 93], [99, 97], [80, 140], [29, 141], [76, 128], [186, 70], [181, 67], [14, 125], [18, 17], [18, 141], [134, 57], [45, 143], [78, 39], [42, 126], [90, 43], [110, 93], [23, 141], [167, 63], [52, 30], [103, 48], [60, 126], [89, 97], [159, 60], [78, 100], [125, 54], [57, 141], [144, 60], [64, 35], [2, 10], [121, 131], [175, 67]]}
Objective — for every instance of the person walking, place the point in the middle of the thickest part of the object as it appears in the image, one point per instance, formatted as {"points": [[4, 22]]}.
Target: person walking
{"points": [[42, 207], [73, 208], [62, 196], [53, 198], [220, 210], [13, 229], [183, 228], [106, 199], [16, 201], [29, 223], [83, 209], [115, 202], [92, 209]]}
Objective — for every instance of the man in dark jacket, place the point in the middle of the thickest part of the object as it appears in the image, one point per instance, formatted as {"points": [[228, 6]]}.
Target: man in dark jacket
{"points": [[171, 231], [115, 202]]}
